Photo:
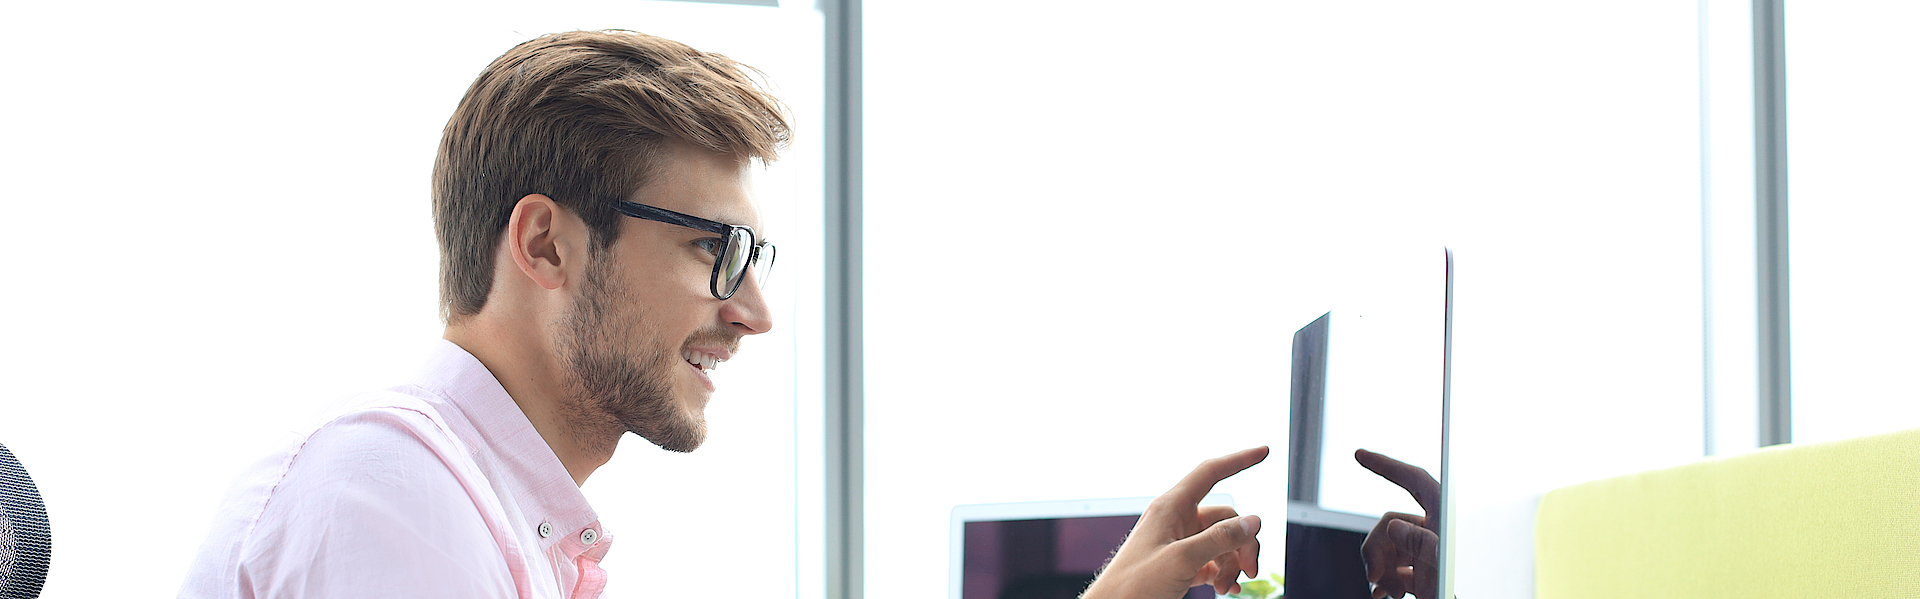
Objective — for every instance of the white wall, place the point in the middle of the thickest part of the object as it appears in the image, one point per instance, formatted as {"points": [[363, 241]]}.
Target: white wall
{"points": [[222, 223]]}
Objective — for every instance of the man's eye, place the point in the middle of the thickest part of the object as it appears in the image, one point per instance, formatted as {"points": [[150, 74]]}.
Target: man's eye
{"points": [[709, 245]]}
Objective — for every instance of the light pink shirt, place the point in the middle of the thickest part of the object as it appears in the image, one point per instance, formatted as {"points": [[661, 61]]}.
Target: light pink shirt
{"points": [[437, 488]]}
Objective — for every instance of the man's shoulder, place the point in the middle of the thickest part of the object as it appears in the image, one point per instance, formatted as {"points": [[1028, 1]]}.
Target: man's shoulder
{"points": [[391, 458], [386, 453], [375, 429], [379, 486], [407, 415], [380, 430]]}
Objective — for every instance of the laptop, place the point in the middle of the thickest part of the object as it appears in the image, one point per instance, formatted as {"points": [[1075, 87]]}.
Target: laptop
{"points": [[1043, 549]]}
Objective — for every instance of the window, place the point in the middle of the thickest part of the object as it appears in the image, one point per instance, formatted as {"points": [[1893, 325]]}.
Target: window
{"points": [[1854, 210]]}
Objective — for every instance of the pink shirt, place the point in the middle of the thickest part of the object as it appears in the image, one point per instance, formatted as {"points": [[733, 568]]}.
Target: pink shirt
{"points": [[437, 488]]}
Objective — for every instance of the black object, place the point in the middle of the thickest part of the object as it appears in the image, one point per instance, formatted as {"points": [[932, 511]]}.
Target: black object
{"points": [[26, 538], [1325, 563]]}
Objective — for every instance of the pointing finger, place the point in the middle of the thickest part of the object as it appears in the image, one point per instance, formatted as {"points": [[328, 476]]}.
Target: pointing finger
{"points": [[1416, 480], [1195, 486]]}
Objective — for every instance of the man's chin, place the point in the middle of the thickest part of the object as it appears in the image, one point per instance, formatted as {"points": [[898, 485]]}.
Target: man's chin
{"points": [[682, 436]]}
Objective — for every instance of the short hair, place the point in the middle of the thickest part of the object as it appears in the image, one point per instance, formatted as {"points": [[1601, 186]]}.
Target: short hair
{"points": [[585, 118]]}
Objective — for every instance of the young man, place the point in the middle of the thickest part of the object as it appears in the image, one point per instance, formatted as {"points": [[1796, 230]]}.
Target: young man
{"points": [[600, 252]]}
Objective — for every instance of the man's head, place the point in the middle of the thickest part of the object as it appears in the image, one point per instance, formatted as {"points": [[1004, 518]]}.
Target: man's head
{"points": [[549, 138], [584, 118]]}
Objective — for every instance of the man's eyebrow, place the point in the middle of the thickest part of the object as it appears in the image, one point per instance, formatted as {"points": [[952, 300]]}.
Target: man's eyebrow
{"points": [[738, 222], [722, 215], [722, 218], [759, 237]]}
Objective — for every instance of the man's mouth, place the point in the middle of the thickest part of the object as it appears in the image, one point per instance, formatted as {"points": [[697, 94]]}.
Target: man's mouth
{"points": [[701, 360]]}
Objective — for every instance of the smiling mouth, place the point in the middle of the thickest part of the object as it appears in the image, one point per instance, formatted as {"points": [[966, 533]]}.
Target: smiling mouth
{"points": [[702, 361]]}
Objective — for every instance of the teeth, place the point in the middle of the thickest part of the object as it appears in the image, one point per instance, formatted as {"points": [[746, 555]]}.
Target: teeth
{"points": [[703, 361]]}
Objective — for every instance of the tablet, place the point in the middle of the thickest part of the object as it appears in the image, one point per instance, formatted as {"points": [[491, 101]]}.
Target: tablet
{"points": [[1374, 372]]}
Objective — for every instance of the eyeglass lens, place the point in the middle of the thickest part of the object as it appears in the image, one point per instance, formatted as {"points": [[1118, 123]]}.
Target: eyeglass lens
{"points": [[733, 262], [764, 264], [735, 259]]}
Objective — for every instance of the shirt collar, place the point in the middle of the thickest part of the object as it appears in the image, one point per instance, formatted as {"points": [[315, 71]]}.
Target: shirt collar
{"points": [[507, 447]]}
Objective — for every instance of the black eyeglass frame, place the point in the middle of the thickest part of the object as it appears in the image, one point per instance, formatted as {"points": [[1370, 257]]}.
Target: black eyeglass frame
{"points": [[663, 215]]}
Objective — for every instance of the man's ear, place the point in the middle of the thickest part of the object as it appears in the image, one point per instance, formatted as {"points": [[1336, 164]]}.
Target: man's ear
{"points": [[542, 238]]}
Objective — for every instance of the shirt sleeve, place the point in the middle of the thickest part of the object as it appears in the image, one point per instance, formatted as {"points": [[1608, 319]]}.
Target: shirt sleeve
{"points": [[370, 508]]}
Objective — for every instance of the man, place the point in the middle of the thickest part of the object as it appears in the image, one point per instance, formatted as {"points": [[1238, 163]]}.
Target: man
{"points": [[600, 252]]}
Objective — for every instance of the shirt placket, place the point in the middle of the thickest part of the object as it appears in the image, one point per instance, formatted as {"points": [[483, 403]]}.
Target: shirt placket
{"points": [[581, 550]]}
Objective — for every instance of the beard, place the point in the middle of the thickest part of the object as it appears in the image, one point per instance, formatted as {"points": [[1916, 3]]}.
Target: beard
{"points": [[610, 389]]}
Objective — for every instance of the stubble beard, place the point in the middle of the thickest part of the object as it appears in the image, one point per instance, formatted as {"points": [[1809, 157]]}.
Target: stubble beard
{"points": [[610, 389]]}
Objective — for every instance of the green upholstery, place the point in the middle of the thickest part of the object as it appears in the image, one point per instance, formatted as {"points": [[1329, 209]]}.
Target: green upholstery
{"points": [[1838, 519]]}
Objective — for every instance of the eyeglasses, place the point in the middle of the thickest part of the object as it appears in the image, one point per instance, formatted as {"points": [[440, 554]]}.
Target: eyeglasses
{"points": [[730, 261]]}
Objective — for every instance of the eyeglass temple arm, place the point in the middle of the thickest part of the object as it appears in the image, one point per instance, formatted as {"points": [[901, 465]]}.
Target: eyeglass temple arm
{"points": [[637, 210]]}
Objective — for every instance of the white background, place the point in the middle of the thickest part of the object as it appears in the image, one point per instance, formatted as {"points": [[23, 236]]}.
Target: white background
{"points": [[1102, 224], [222, 221]]}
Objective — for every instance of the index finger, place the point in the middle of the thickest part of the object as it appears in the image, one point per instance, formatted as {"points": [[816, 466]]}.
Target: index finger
{"points": [[1424, 489], [1193, 488]]}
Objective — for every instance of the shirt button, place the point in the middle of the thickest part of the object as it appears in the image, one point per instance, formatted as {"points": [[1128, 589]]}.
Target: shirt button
{"points": [[588, 536], [546, 530]]}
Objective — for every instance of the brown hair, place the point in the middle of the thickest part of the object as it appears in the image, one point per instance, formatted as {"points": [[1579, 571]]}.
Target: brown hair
{"points": [[584, 118]]}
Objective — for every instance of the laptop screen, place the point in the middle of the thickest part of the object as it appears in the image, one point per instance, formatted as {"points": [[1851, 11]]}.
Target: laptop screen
{"points": [[1046, 558], [1042, 550]]}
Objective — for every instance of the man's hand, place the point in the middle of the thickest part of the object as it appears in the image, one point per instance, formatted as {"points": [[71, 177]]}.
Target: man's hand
{"points": [[1402, 552], [1178, 545]]}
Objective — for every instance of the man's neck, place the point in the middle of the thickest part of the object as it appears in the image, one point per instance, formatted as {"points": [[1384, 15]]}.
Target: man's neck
{"points": [[526, 365]]}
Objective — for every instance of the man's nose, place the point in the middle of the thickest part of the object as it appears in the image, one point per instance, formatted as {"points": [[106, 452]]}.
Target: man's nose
{"points": [[747, 310]]}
